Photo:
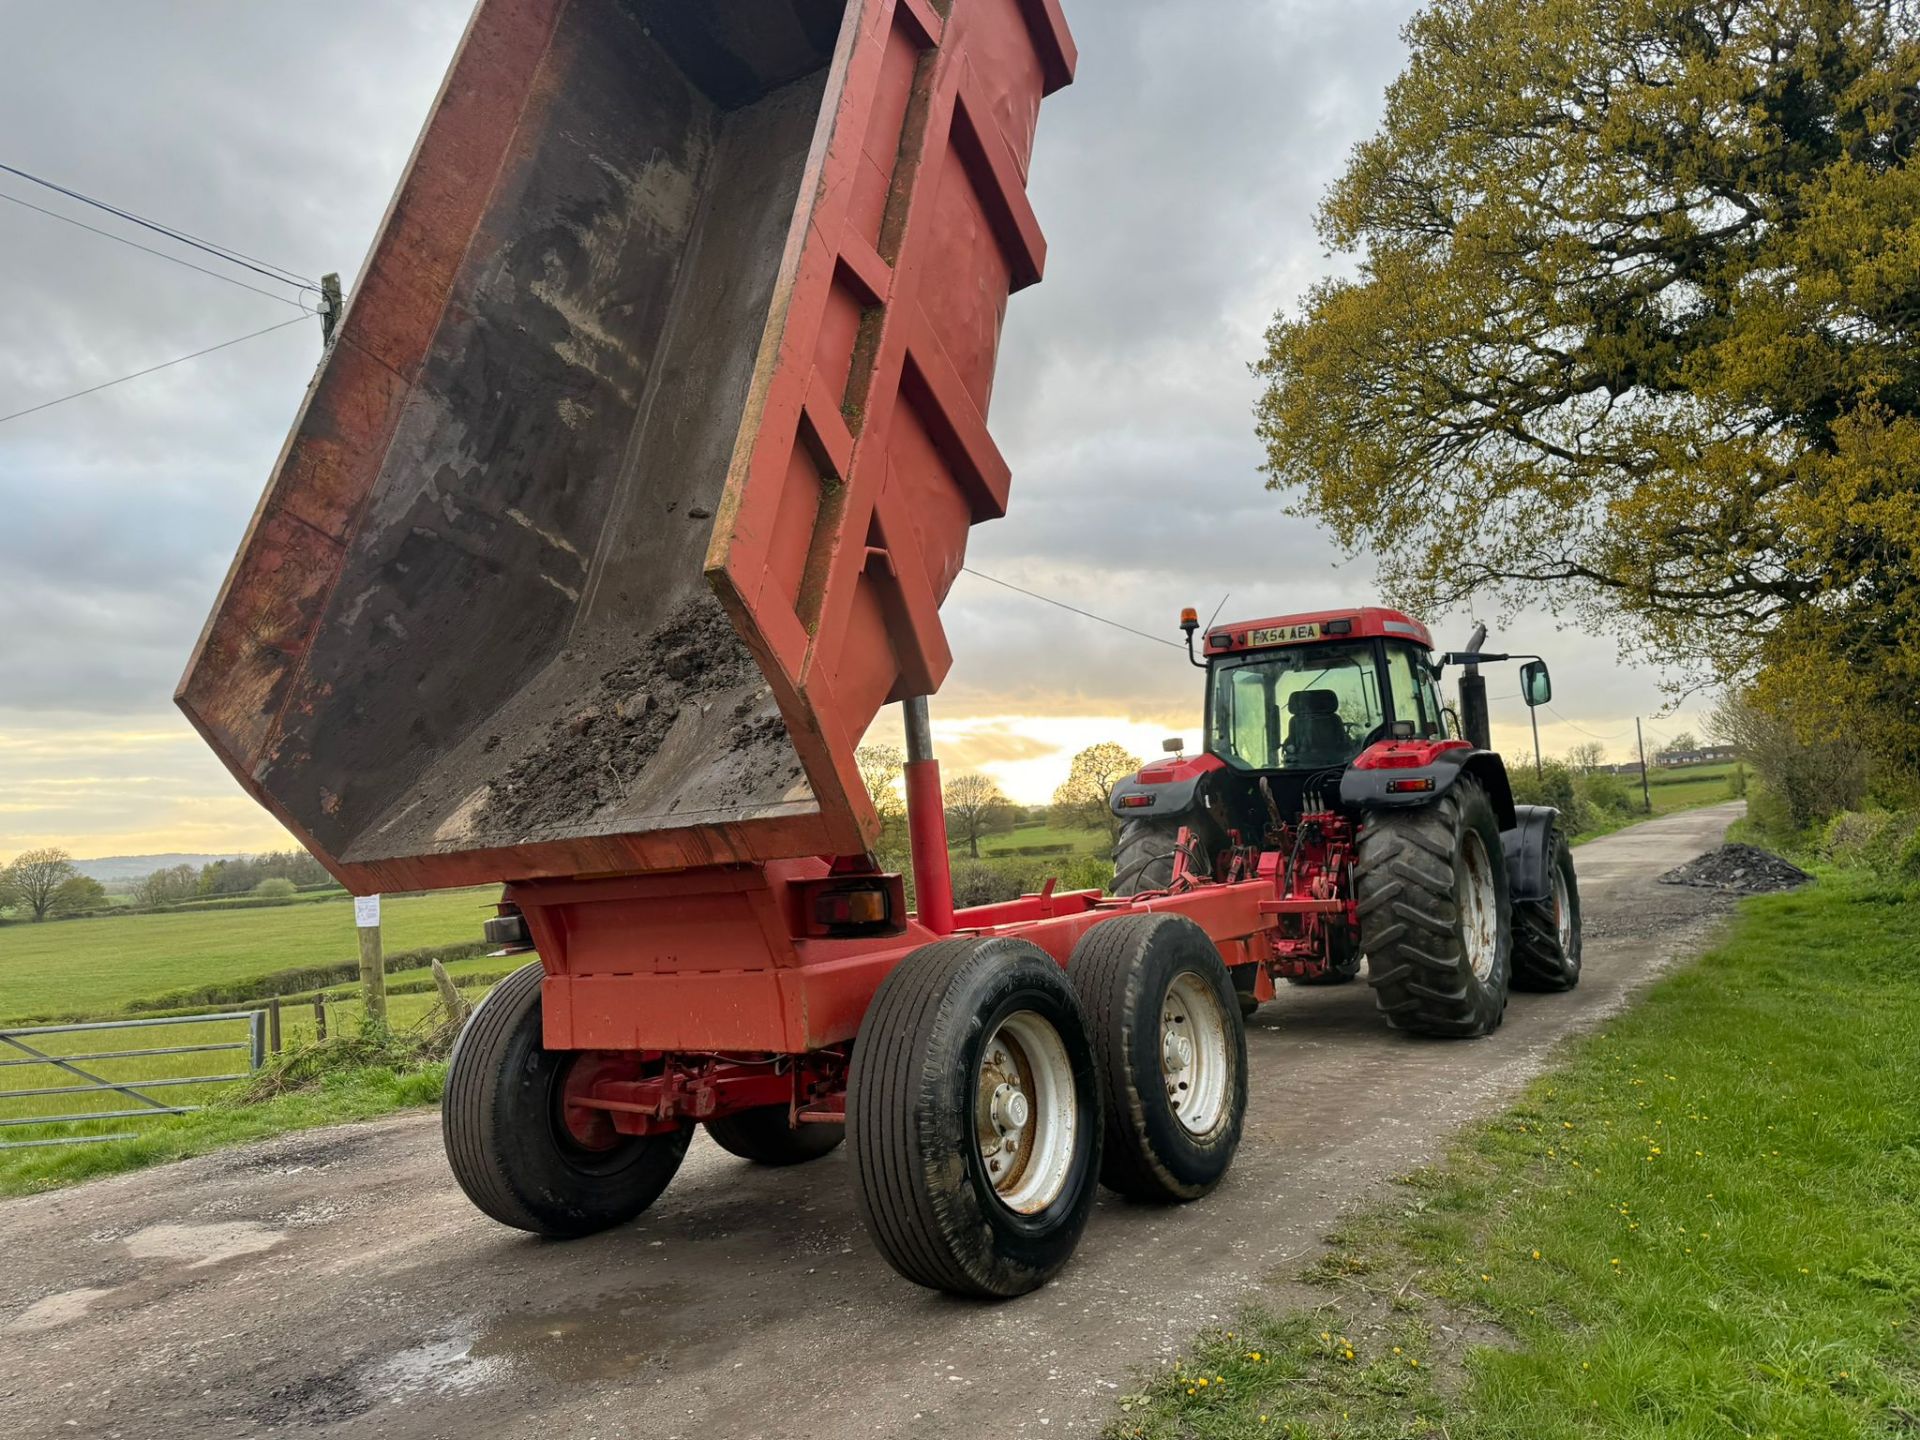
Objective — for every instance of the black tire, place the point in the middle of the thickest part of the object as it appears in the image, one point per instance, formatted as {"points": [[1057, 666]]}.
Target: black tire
{"points": [[1410, 877], [1540, 961], [507, 1140], [1143, 856], [1124, 970], [765, 1136], [914, 1122]]}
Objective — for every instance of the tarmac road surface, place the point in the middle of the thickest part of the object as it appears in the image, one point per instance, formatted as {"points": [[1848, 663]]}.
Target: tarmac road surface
{"points": [[337, 1282]]}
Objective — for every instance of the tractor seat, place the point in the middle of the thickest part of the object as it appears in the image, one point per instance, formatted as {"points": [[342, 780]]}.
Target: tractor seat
{"points": [[1315, 735]]}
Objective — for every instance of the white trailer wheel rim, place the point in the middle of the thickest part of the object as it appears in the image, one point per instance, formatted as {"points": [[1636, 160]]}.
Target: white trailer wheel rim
{"points": [[1026, 1112], [1479, 906], [1196, 1056], [1562, 911]]}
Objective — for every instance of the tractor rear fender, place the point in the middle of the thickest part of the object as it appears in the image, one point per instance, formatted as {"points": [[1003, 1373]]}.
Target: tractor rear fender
{"points": [[1166, 789], [1530, 852], [1368, 789]]}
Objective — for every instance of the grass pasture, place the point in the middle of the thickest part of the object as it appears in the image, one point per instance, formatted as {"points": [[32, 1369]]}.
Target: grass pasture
{"points": [[98, 967], [1699, 1224]]}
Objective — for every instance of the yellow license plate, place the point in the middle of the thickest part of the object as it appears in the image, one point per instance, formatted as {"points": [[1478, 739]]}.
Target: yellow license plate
{"points": [[1284, 635]]}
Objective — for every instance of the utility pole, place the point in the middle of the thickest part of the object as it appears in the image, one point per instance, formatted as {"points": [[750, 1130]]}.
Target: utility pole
{"points": [[332, 302], [1646, 786], [373, 968]]}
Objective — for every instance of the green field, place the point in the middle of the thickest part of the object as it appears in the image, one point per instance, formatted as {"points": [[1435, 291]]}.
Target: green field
{"points": [[98, 967], [1005, 842]]}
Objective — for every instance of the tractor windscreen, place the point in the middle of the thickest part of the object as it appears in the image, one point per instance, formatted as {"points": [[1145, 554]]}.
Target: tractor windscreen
{"points": [[1309, 708]]}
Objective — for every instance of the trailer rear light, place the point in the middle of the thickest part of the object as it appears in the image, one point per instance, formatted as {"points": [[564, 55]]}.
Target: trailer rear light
{"points": [[509, 931], [849, 909], [1410, 787], [1136, 802]]}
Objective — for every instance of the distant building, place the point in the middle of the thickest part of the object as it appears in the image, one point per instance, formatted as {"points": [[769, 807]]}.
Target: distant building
{"points": [[1705, 755]]}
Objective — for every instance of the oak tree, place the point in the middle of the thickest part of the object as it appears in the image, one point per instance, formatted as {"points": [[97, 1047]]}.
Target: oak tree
{"points": [[976, 806], [1633, 332]]}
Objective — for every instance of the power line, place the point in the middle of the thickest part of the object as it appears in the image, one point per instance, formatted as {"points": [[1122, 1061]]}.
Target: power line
{"points": [[163, 365], [1588, 733], [232, 257], [1074, 609], [94, 229]]}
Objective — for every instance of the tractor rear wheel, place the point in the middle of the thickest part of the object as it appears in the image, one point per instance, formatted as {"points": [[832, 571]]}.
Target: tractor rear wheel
{"points": [[973, 1118], [522, 1153], [1143, 856], [766, 1136], [1436, 919], [1171, 1050], [1546, 933]]}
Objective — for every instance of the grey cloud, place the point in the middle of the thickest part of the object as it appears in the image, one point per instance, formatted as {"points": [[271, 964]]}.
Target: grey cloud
{"points": [[1176, 182]]}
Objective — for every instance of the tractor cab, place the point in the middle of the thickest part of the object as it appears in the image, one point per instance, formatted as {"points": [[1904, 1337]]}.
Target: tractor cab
{"points": [[1313, 693], [1292, 704]]}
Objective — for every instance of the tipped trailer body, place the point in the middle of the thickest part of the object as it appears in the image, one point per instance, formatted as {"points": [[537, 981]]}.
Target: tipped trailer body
{"points": [[627, 494]]}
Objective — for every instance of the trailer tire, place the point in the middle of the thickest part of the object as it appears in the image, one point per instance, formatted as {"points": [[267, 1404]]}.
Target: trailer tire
{"points": [[1436, 918], [1172, 1053], [1143, 855], [1546, 933], [953, 1019], [766, 1136], [507, 1138]]}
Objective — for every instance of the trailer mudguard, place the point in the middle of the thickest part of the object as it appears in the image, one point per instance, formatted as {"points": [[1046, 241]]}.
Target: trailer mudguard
{"points": [[1367, 788], [1530, 851]]}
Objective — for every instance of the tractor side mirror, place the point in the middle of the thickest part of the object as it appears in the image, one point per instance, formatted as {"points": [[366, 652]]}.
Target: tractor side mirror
{"points": [[1536, 684]]}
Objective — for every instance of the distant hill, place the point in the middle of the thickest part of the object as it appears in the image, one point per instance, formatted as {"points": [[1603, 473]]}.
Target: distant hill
{"points": [[119, 869]]}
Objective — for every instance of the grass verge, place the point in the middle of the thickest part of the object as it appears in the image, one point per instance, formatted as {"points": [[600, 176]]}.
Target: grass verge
{"points": [[1700, 1224]]}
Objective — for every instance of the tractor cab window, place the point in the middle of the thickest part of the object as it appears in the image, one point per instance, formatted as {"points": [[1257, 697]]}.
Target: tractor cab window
{"points": [[1416, 699], [1305, 709]]}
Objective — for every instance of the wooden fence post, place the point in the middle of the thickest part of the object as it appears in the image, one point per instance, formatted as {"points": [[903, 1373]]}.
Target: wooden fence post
{"points": [[320, 1017], [273, 1024], [373, 969]]}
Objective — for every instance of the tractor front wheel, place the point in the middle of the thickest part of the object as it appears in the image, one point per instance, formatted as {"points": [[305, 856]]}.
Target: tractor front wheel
{"points": [[1546, 933], [973, 1118], [1172, 1054], [766, 1136], [1436, 918], [521, 1151]]}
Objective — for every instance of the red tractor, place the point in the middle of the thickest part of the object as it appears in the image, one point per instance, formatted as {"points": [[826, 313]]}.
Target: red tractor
{"points": [[1332, 767]]}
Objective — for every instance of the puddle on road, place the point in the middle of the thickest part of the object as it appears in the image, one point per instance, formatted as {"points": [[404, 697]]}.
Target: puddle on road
{"points": [[441, 1367], [643, 1332], [202, 1245], [655, 1328]]}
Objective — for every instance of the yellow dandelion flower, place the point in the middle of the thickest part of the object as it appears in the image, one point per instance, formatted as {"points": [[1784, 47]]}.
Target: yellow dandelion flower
{"points": [[1396, 1349], [1536, 1254], [1202, 1382], [1413, 1362]]}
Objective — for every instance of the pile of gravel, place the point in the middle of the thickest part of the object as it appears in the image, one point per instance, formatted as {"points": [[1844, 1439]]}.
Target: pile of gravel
{"points": [[1738, 870]]}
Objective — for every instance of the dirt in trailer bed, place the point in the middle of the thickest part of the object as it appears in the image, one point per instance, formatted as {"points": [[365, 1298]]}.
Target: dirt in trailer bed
{"points": [[590, 760], [337, 1283]]}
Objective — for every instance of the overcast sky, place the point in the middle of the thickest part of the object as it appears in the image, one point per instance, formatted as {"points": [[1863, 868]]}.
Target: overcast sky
{"points": [[1176, 181]]}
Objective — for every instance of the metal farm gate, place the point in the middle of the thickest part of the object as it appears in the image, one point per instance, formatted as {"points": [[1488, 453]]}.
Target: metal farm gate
{"points": [[23, 1047]]}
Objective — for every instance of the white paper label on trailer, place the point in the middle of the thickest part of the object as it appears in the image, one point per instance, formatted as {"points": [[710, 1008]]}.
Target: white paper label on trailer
{"points": [[366, 912]]}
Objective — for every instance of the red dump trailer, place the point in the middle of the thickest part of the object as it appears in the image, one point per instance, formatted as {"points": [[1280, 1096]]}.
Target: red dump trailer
{"points": [[627, 494]]}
